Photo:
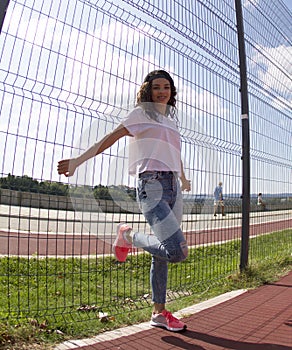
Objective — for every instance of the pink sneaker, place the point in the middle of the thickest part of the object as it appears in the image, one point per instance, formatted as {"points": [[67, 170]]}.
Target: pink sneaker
{"points": [[168, 321], [121, 245]]}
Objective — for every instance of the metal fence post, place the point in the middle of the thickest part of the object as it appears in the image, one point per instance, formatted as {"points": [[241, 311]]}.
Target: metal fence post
{"points": [[245, 139], [3, 8]]}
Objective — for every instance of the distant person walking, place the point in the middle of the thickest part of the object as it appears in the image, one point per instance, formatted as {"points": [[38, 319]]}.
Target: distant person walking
{"points": [[218, 199], [261, 203], [155, 159]]}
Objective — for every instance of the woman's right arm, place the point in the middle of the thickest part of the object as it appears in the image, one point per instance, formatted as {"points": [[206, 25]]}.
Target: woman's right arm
{"points": [[67, 167]]}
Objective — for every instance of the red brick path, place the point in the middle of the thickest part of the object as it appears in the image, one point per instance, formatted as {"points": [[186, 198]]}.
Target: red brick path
{"points": [[259, 319]]}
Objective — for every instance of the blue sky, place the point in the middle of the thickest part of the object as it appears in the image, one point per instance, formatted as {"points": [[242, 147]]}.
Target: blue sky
{"points": [[288, 3], [59, 126]]}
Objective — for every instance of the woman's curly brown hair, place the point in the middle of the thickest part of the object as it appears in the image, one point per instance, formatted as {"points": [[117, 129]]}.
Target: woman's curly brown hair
{"points": [[144, 94]]}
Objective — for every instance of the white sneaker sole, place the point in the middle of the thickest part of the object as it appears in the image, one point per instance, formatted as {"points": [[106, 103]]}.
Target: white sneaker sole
{"points": [[163, 325]]}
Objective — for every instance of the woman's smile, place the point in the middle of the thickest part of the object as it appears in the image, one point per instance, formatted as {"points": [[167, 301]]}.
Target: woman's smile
{"points": [[161, 90]]}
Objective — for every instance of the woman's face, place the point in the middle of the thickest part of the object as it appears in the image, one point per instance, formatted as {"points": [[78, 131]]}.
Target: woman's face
{"points": [[161, 90]]}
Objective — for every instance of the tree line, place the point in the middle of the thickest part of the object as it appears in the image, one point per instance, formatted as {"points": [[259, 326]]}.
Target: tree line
{"points": [[27, 184]]}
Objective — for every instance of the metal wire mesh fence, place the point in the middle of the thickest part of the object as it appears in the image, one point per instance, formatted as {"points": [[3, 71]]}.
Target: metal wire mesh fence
{"points": [[70, 71]]}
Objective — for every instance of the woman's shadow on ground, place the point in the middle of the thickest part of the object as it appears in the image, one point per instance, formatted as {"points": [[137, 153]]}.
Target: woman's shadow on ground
{"points": [[222, 342]]}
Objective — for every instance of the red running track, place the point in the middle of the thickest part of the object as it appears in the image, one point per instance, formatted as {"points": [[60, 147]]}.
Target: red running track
{"points": [[27, 244]]}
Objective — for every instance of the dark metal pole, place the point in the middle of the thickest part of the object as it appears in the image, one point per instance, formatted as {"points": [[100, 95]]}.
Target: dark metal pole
{"points": [[3, 8], [245, 139]]}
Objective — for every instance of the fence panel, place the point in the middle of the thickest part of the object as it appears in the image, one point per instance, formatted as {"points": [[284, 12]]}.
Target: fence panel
{"points": [[69, 73]]}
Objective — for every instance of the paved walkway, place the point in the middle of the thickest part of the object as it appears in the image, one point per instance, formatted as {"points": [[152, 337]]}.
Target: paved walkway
{"points": [[259, 319]]}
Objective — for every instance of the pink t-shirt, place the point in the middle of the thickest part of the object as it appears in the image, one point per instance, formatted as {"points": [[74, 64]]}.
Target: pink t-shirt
{"points": [[155, 145]]}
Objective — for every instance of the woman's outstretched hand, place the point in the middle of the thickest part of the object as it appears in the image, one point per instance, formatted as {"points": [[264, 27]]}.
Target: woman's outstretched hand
{"points": [[67, 167]]}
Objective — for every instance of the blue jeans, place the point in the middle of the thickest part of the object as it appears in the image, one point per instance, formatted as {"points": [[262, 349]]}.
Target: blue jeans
{"points": [[160, 201]]}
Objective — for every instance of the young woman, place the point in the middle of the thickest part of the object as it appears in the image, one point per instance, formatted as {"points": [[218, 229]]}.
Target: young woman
{"points": [[155, 158]]}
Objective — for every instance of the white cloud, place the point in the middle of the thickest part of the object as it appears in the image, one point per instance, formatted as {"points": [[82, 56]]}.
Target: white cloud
{"points": [[248, 3], [276, 71]]}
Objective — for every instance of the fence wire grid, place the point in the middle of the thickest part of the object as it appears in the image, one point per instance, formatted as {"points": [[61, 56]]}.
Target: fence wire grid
{"points": [[69, 73]]}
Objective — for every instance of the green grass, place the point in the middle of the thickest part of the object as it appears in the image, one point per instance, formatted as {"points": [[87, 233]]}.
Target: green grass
{"points": [[40, 299]]}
